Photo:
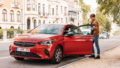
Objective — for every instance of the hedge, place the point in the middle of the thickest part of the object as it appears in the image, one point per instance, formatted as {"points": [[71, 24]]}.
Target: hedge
{"points": [[10, 32]]}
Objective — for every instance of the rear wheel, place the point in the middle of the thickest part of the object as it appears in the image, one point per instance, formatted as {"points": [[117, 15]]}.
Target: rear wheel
{"points": [[20, 59], [58, 55]]}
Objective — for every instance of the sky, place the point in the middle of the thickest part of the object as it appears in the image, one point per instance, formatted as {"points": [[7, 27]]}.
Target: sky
{"points": [[93, 5]]}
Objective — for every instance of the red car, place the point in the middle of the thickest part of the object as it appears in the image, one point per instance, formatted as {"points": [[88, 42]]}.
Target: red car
{"points": [[51, 42]]}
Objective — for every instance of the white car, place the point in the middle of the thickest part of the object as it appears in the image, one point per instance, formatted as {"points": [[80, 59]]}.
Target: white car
{"points": [[104, 35]]}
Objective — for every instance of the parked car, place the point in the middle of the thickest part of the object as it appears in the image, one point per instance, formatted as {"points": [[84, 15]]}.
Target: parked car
{"points": [[51, 42], [104, 35]]}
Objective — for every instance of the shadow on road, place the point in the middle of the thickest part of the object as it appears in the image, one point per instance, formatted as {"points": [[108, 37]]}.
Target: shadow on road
{"points": [[47, 64]]}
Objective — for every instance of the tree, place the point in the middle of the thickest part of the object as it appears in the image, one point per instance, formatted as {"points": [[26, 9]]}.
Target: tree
{"points": [[105, 24], [85, 9], [111, 7]]}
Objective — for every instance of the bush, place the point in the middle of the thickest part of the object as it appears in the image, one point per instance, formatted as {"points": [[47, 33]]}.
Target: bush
{"points": [[1, 33], [10, 32]]}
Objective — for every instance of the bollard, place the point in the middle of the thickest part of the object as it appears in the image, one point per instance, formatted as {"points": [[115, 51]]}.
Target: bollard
{"points": [[4, 35]]}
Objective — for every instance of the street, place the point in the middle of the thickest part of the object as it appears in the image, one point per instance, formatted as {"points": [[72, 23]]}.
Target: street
{"points": [[9, 62]]}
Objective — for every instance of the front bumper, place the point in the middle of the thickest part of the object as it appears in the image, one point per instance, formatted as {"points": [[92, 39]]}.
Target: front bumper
{"points": [[36, 52]]}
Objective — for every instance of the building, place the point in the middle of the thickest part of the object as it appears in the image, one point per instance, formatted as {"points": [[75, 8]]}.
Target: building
{"points": [[74, 12], [38, 12], [27, 14], [10, 14]]}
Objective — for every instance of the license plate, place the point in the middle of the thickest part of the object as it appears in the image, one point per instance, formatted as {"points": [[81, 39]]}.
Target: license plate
{"points": [[23, 49]]}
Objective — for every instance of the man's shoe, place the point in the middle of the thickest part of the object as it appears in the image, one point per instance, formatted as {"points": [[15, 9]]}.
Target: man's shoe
{"points": [[92, 56], [98, 57]]}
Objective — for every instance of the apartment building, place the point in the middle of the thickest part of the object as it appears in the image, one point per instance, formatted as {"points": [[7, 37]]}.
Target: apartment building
{"points": [[38, 12], [74, 12], [28, 14], [10, 14]]}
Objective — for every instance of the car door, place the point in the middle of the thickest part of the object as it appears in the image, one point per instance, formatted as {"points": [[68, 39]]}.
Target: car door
{"points": [[69, 42], [77, 44]]}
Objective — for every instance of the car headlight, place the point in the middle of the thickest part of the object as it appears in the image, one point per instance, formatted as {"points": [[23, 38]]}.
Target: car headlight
{"points": [[47, 43]]}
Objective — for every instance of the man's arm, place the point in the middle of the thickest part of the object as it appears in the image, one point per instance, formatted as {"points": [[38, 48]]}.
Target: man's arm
{"points": [[96, 25]]}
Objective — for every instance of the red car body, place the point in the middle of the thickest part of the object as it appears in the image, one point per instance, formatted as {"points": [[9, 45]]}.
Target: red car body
{"points": [[27, 45]]}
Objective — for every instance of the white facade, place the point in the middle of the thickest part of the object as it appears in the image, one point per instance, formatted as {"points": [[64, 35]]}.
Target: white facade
{"points": [[38, 12], [27, 14], [75, 12], [10, 14]]}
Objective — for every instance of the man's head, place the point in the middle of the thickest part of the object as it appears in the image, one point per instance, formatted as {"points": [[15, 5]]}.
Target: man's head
{"points": [[92, 17]]}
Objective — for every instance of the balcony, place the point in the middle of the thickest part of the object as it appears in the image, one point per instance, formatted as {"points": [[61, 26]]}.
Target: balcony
{"points": [[15, 5], [1, 2]]}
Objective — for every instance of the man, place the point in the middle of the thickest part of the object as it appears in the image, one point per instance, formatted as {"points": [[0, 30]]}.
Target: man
{"points": [[95, 32]]}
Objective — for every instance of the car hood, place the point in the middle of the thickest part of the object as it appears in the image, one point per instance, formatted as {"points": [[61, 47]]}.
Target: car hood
{"points": [[34, 37]]}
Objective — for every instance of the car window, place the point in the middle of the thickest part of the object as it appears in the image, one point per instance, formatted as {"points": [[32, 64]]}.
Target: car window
{"points": [[76, 31], [48, 29], [67, 29]]}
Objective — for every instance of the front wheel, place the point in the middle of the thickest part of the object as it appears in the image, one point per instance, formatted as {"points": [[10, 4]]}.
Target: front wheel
{"points": [[58, 55], [20, 59]]}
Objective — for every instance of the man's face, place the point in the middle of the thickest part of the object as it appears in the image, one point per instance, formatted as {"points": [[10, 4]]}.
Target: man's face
{"points": [[92, 18]]}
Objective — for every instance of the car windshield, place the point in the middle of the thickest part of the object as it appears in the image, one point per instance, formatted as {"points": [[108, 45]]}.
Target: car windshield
{"points": [[48, 29]]}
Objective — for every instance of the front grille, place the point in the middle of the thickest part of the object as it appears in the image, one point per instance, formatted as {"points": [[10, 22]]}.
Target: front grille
{"points": [[24, 44], [24, 54]]}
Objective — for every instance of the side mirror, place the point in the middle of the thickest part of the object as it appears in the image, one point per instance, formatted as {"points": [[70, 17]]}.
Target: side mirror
{"points": [[69, 34]]}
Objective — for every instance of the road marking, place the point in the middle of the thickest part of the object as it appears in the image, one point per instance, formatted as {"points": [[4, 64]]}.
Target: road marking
{"points": [[4, 57]]}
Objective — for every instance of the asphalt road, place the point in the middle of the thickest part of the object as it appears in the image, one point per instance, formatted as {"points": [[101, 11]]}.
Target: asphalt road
{"points": [[8, 62]]}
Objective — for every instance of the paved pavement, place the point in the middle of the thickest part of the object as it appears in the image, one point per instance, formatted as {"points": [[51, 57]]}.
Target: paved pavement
{"points": [[8, 62], [109, 59]]}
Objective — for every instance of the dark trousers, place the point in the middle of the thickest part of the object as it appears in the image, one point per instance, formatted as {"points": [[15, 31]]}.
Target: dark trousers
{"points": [[96, 42]]}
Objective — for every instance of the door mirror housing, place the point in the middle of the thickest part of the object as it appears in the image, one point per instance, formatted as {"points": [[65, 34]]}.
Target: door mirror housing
{"points": [[69, 34]]}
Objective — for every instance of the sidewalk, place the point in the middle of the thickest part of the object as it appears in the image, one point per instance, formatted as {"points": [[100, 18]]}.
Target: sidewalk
{"points": [[8, 40], [109, 59]]}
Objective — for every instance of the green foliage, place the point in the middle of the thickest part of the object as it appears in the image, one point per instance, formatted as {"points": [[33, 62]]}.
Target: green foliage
{"points": [[111, 7], [85, 9], [105, 24], [1, 33], [10, 32]]}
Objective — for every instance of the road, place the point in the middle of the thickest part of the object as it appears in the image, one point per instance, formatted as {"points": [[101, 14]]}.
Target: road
{"points": [[8, 62]]}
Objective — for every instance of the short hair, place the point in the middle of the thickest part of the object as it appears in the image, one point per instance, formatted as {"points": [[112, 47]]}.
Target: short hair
{"points": [[92, 15]]}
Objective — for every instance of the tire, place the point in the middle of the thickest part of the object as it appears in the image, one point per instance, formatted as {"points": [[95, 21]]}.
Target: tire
{"points": [[20, 59], [58, 55]]}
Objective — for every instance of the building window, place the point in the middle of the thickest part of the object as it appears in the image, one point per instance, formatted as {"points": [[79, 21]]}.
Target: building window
{"points": [[44, 22], [12, 16], [18, 16], [61, 10], [43, 9], [35, 23], [15, 2], [28, 5], [65, 11], [28, 23], [12, 27], [39, 22], [39, 9], [33, 5], [52, 11], [49, 12], [56, 10], [4, 14]]}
